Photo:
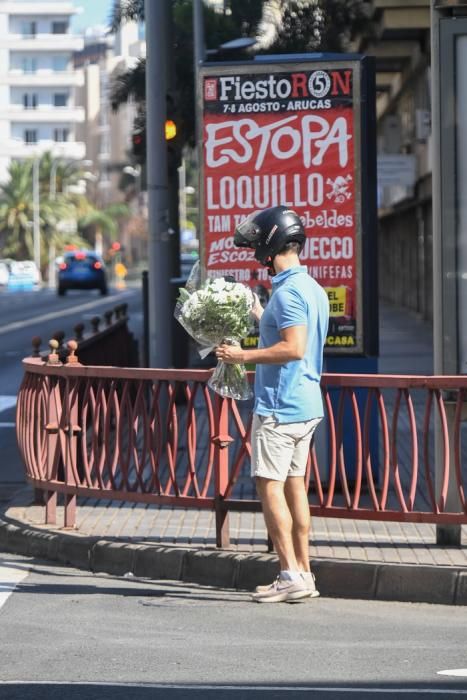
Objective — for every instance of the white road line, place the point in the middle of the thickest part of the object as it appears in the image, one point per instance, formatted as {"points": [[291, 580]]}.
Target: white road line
{"points": [[9, 579], [7, 425], [7, 402], [459, 672], [266, 688], [56, 314]]}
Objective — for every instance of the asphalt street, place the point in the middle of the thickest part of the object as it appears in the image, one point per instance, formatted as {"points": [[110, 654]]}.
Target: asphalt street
{"points": [[42, 313], [67, 633]]}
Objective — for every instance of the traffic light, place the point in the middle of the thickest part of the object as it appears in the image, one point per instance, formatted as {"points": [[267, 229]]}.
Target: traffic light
{"points": [[173, 136], [138, 140], [170, 129], [173, 129]]}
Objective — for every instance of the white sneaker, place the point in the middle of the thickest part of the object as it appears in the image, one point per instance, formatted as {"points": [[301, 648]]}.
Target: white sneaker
{"points": [[283, 591], [308, 578]]}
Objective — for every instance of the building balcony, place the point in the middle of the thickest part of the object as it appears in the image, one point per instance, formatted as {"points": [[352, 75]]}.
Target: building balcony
{"points": [[17, 148], [43, 114], [38, 9], [43, 78], [42, 42]]}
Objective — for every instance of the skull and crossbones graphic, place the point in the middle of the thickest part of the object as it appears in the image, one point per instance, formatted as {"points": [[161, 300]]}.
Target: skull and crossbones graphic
{"points": [[339, 188]]}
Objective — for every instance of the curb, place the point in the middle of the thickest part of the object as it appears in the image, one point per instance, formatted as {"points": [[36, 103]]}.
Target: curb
{"points": [[224, 569]]}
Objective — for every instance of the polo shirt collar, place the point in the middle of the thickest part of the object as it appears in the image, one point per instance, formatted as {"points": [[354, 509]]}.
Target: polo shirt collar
{"points": [[281, 276]]}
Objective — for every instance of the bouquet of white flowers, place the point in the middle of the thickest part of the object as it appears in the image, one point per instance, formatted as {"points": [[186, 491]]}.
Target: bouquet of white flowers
{"points": [[218, 312]]}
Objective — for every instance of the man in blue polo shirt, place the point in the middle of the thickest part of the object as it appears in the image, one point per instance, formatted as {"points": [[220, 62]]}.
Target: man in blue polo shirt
{"points": [[288, 403]]}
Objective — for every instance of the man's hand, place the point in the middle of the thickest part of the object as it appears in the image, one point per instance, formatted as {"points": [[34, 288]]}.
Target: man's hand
{"points": [[231, 354]]}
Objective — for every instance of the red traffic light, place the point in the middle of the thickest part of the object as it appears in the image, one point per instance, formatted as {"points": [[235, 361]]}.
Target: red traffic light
{"points": [[116, 245]]}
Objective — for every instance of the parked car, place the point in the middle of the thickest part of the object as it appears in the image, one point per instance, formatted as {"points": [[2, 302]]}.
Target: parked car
{"points": [[81, 269], [4, 273], [19, 274], [29, 268]]}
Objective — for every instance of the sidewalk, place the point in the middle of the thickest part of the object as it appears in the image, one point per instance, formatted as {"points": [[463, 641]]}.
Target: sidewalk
{"points": [[351, 558]]}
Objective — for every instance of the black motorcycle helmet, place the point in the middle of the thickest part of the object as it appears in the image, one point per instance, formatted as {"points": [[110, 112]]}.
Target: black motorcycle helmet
{"points": [[268, 231]]}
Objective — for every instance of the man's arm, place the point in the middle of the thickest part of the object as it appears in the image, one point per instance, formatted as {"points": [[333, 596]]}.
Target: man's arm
{"points": [[291, 347]]}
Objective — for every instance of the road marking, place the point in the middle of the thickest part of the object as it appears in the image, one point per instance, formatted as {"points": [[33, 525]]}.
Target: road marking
{"points": [[7, 425], [57, 314], [7, 402], [441, 691], [9, 579], [459, 672]]}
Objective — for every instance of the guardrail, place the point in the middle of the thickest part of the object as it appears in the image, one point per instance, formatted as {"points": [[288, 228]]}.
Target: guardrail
{"points": [[109, 342], [161, 437]]}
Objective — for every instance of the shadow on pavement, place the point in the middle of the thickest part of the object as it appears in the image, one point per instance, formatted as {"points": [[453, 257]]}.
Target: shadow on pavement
{"points": [[316, 691]]}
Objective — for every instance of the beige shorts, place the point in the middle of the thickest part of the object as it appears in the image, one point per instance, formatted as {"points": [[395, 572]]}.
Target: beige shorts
{"points": [[280, 450]]}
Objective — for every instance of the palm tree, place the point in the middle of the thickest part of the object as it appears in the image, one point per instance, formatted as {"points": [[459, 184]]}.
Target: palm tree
{"points": [[219, 27], [17, 213], [55, 174], [104, 222]]}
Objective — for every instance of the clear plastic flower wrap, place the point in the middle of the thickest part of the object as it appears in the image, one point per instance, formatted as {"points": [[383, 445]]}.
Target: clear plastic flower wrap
{"points": [[213, 312]]}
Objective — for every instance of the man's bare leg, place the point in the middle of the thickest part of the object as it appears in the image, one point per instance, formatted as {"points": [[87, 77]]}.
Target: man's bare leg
{"points": [[278, 520], [297, 502]]}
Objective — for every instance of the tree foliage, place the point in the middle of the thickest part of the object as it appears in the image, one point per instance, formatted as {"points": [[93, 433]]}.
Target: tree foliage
{"points": [[17, 212], [280, 26], [17, 209], [105, 221], [303, 26]]}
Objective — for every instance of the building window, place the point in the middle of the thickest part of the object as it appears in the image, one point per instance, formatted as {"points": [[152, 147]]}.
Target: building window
{"points": [[59, 63], [30, 136], [29, 29], [59, 27], [29, 100], [61, 135], [29, 65], [60, 99]]}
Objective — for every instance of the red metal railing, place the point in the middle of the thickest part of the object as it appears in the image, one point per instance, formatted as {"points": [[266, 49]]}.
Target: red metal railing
{"points": [[161, 436]]}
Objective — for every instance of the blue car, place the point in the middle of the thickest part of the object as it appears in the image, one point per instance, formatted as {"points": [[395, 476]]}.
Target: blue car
{"points": [[82, 269]]}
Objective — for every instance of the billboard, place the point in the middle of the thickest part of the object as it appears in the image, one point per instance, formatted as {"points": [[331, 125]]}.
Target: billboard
{"points": [[288, 133]]}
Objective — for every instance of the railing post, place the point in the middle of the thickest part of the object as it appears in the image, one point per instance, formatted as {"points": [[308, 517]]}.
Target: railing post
{"points": [[447, 535], [71, 453], [54, 405], [53, 402], [221, 441]]}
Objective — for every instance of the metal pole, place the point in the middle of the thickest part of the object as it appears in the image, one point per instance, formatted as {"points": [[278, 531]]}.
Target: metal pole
{"points": [[182, 188], [198, 57], [445, 534], [53, 180], [436, 199], [160, 313], [198, 35], [36, 212]]}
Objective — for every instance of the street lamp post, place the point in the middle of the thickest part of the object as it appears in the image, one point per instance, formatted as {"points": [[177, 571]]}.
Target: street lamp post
{"points": [[157, 29], [136, 174], [36, 212], [53, 172], [53, 179]]}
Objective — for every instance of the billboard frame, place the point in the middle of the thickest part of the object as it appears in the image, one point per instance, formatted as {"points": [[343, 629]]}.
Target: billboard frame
{"points": [[364, 153]]}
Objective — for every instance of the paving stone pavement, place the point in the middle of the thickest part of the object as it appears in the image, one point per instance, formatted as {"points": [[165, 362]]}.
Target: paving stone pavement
{"points": [[352, 558], [331, 538]]}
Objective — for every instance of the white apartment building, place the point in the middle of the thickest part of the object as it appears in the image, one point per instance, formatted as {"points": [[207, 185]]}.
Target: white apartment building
{"points": [[38, 81], [107, 134]]}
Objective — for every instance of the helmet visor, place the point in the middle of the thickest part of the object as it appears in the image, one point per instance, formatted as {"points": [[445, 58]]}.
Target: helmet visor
{"points": [[248, 233]]}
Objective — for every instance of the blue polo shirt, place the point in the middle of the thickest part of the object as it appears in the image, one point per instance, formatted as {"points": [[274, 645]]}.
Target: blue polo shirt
{"points": [[291, 391]]}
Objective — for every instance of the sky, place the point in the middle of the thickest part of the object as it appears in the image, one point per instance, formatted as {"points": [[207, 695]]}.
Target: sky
{"points": [[94, 12]]}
